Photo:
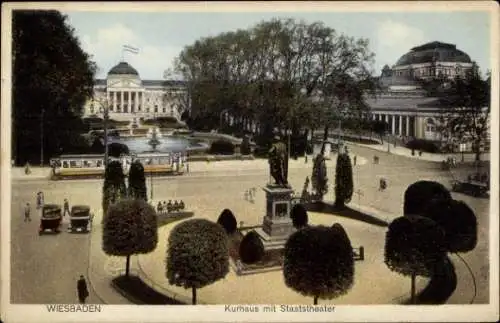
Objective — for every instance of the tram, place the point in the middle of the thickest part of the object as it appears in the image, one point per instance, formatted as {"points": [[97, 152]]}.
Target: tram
{"points": [[92, 166]]}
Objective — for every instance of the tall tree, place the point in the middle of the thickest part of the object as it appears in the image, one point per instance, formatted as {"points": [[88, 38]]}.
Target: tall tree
{"points": [[344, 186], [197, 254], [114, 188], [466, 109], [52, 79], [137, 182], [130, 227]]}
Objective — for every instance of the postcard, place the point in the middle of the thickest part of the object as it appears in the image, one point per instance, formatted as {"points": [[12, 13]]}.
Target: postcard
{"points": [[249, 161]]}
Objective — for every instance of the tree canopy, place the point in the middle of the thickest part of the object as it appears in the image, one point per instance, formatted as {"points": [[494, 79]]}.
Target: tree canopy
{"points": [[52, 79], [280, 73], [420, 193], [197, 254], [318, 262], [466, 107], [344, 186], [130, 227], [114, 188]]}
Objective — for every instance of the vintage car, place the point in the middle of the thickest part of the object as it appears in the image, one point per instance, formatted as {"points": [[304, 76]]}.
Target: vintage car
{"points": [[80, 219], [51, 219]]}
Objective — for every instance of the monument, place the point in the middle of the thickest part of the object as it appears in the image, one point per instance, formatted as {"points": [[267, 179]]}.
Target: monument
{"points": [[277, 223]]}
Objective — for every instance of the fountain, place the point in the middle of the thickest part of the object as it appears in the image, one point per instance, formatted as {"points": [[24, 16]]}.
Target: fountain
{"points": [[154, 136]]}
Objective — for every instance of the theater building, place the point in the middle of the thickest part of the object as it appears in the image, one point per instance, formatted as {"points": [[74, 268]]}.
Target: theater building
{"points": [[127, 96], [402, 102]]}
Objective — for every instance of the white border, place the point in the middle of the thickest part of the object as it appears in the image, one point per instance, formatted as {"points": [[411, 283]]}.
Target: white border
{"points": [[455, 313]]}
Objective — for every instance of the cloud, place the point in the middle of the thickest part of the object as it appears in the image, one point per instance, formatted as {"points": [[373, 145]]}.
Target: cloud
{"points": [[106, 44], [394, 39]]}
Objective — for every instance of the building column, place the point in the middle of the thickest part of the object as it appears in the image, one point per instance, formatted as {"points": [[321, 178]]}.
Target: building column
{"points": [[121, 101], [136, 101], [374, 117], [143, 101], [393, 124], [129, 101], [400, 117], [407, 125], [114, 101]]}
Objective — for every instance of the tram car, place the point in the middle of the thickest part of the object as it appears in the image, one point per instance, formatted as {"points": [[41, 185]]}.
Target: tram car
{"points": [[80, 219], [92, 166], [51, 219]]}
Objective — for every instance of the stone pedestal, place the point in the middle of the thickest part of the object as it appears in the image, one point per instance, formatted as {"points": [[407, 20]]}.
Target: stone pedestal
{"points": [[277, 224]]}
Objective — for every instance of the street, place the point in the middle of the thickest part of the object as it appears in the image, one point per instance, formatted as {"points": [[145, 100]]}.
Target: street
{"points": [[44, 269]]}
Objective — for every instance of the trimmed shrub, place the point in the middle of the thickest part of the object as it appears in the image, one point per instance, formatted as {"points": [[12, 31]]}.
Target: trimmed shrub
{"points": [[130, 227], [319, 179], [222, 147], [319, 262], [114, 188], [343, 180], [299, 216], [420, 193], [228, 221], [458, 222], [197, 255], [137, 182], [414, 246], [245, 148], [97, 146], [424, 145], [117, 149], [251, 248]]}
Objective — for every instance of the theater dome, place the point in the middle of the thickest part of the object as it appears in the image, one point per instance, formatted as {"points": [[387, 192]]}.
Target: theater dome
{"points": [[123, 68], [434, 51]]}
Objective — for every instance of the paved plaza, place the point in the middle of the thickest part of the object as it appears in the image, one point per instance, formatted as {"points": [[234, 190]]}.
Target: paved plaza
{"points": [[44, 269]]}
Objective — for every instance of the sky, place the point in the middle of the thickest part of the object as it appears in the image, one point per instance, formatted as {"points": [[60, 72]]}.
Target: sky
{"points": [[161, 36]]}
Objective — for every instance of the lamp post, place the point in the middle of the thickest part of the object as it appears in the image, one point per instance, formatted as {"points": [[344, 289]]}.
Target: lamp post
{"points": [[41, 137], [105, 111]]}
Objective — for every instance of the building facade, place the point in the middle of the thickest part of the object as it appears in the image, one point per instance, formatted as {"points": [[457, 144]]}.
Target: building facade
{"points": [[403, 103], [127, 97]]}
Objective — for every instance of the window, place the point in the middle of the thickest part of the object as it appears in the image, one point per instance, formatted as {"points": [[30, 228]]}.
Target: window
{"points": [[75, 163], [65, 164]]}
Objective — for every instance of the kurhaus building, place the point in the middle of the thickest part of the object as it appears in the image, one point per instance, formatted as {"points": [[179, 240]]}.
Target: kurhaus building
{"points": [[402, 103], [129, 97]]}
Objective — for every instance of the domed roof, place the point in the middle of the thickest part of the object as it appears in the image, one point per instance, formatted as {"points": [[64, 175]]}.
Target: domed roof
{"points": [[123, 68], [434, 51]]}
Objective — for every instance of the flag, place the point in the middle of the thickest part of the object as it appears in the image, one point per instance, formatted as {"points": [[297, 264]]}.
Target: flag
{"points": [[130, 49]]}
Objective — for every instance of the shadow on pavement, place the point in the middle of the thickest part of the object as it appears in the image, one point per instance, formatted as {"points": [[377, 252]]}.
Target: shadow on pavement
{"points": [[441, 286], [347, 212], [138, 292]]}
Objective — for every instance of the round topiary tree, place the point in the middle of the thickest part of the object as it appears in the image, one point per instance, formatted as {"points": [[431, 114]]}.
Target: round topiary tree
{"points": [[251, 248], [299, 216], [130, 227], [418, 194], [344, 186], [458, 222], [414, 246], [319, 179], [319, 262], [116, 149], [197, 254], [114, 188], [228, 221], [137, 182]]}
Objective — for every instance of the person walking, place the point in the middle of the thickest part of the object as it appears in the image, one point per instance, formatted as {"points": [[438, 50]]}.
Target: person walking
{"points": [[81, 287], [27, 212], [66, 207]]}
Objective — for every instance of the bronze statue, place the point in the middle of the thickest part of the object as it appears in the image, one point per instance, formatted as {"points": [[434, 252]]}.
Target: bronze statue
{"points": [[278, 162]]}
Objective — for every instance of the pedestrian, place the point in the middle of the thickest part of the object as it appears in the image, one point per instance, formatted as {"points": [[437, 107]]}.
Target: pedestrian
{"points": [[187, 167], [81, 287], [27, 212], [66, 207], [354, 160]]}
